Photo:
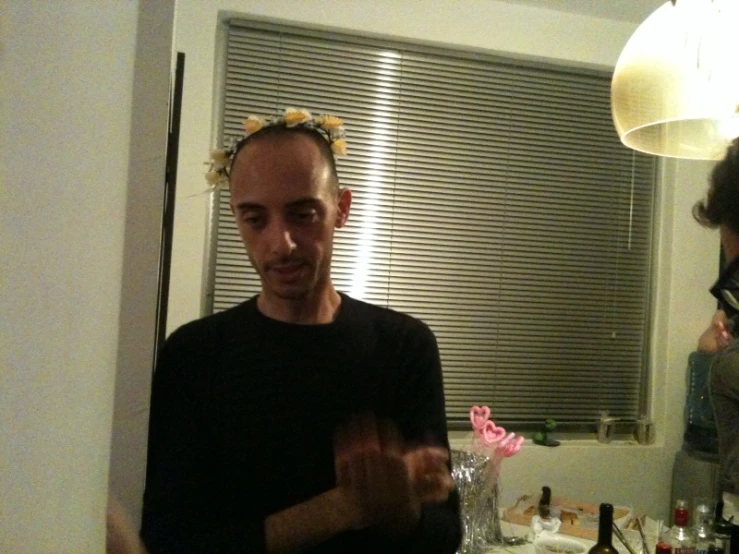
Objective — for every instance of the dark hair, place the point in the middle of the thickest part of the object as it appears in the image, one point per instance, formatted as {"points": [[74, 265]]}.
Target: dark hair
{"points": [[721, 206], [279, 131]]}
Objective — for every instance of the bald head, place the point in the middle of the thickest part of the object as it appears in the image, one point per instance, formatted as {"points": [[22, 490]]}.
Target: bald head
{"points": [[295, 142]]}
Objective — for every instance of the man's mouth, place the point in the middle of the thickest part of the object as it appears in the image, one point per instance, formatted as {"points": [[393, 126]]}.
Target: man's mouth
{"points": [[286, 270]]}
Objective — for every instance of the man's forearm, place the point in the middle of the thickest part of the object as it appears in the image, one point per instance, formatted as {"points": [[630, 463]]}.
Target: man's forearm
{"points": [[309, 523]]}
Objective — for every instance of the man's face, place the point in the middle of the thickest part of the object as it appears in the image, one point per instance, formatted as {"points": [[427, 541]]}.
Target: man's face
{"points": [[729, 243], [286, 210], [726, 289]]}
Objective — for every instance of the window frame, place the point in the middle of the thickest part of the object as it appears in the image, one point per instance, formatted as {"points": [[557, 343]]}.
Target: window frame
{"points": [[644, 401]]}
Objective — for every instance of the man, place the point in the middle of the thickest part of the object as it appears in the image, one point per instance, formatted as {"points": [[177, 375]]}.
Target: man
{"points": [[302, 419], [120, 533], [721, 209]]}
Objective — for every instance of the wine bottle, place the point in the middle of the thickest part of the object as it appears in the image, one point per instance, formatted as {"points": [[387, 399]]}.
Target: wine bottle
{"points": [[605, 532], [545, 502], [722, 530]]}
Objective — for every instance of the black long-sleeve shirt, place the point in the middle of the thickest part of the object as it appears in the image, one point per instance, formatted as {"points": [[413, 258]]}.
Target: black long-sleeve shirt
{"points": [[243, 414]]}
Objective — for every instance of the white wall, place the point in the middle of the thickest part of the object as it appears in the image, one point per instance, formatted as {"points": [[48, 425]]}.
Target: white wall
{"points": [[62, 244], [68, 93], [685, 258]]}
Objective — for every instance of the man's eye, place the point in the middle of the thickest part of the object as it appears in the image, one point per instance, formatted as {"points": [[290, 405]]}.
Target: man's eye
{"points": [[305, 216], [252, 220]]}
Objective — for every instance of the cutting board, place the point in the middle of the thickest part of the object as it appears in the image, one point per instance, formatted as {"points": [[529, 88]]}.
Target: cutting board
{"points": [[579, 519]]}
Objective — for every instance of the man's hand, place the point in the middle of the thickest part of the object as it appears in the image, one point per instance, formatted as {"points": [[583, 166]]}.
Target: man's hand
{"points": [[427, 466], [121, 536], [382, 484], [717, 336], [379, 484]]}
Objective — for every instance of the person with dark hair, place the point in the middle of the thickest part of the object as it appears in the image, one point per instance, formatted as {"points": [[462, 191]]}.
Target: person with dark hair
{"points": [[301, 419], [720, 210]]}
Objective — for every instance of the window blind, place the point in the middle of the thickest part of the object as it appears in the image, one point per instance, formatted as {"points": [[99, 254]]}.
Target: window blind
{"points": [[491, 198]]}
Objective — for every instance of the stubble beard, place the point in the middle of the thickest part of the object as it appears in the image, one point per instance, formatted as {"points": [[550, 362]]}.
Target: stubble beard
{"points": [[300, 290]]}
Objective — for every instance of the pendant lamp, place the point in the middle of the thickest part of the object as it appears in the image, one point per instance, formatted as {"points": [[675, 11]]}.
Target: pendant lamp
{"points": [[675, 88]]}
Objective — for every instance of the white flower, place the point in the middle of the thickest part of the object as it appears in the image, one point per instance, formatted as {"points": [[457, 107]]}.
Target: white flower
{"points": [[213, 178], [336, 134], [219, 158]]}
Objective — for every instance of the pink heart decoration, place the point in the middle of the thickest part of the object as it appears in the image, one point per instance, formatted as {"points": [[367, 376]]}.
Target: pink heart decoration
{"points": [[504, 442], [512, 447], [491, 434], [478, 416]]}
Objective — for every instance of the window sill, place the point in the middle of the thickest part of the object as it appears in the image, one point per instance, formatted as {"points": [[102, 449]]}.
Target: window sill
{"points": [[462, 441]]}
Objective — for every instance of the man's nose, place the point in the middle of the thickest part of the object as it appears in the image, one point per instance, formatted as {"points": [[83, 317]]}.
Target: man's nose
{"points": [[281, 241]]}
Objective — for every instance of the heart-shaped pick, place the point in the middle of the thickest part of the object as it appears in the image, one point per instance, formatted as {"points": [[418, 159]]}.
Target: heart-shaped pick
{"points": [[478, 416], [492, 434], [512, 447], [507, 439]]}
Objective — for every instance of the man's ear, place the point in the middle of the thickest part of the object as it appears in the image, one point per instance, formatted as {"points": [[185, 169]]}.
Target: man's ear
{"points": [[345, 202]]}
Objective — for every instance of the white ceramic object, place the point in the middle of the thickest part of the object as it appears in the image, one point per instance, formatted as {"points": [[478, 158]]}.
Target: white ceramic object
{"points": [[547, 543]]}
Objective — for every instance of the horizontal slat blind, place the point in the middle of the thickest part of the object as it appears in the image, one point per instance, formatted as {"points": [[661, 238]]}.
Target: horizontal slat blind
{"points": [[491, 198]]}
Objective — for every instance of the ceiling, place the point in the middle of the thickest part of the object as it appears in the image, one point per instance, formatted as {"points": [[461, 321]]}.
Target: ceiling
{"points": [[634, 11]]}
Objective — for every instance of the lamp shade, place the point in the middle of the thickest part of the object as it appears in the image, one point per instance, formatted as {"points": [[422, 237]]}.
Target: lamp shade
{"points": [[675, 88]]}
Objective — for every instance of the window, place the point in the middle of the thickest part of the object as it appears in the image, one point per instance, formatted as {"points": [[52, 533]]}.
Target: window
{"points": [[492, 199]]}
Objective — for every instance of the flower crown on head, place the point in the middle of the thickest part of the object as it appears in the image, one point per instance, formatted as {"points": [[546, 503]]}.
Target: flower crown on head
{"points": [[330, 126]]}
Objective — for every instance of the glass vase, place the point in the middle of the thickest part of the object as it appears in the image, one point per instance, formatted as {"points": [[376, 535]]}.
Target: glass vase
{"points": [[477, 483]]}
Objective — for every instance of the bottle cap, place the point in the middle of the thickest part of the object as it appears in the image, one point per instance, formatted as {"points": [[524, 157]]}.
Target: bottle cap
{"points": [[606, 510], [681, 515], [703, 513]]}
